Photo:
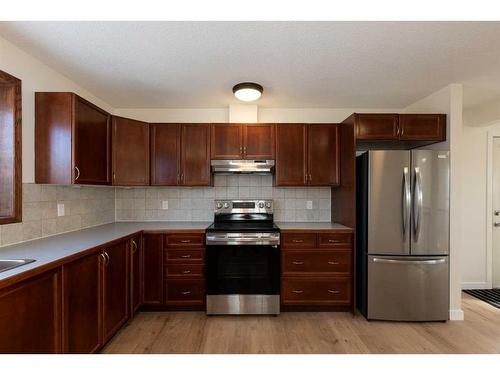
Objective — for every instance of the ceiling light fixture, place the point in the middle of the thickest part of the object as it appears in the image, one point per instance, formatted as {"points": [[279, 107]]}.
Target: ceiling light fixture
{"points": [[248, 91]]}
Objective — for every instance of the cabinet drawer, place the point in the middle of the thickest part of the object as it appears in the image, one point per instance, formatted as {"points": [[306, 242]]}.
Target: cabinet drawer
{"points": [[184, 270], [184, 255], [184, 240], [185, 291], [335, 240], [298, 240], [325, 291], [316, 261]]}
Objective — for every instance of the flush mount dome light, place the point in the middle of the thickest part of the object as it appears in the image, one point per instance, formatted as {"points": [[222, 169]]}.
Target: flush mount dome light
{"points": [[248, 91]]}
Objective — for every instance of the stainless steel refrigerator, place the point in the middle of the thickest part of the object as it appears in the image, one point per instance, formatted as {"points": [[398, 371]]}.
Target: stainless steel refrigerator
{"points": [[403, 235]]}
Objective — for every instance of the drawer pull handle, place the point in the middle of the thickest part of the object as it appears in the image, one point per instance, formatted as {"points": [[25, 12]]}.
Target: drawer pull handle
{"points": [[334, 241], [297, 262], [186, 271], [186, 256], [333, 291], [185, 241], [332, 262], [297, 241], [186, 292], [298, 291]]}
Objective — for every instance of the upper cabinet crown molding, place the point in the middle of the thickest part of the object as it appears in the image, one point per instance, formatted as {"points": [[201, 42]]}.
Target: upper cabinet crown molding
{"points": [[242, 141], [72, 140]]}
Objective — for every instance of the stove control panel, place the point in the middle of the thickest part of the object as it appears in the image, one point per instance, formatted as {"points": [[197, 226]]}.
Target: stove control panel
{"points": [[244, 206]]}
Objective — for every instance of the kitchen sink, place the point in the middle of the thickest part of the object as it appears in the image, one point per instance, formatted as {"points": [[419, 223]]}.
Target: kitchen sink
{"points": [[8, 264]]}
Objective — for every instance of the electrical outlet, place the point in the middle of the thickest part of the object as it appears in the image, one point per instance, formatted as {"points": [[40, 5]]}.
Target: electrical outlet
{"points": [[164, 205], [60, 209], [309, 205]]}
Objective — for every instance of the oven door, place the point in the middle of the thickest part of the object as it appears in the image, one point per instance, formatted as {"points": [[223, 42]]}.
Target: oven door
{"points": [[243, 269]]}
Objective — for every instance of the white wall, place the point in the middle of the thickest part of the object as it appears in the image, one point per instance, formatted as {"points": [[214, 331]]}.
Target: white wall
{"points": [[35, 76], [449, 100]]}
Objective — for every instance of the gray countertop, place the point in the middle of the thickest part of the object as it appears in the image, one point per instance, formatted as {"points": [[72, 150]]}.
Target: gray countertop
{"points": [[54, 248]]}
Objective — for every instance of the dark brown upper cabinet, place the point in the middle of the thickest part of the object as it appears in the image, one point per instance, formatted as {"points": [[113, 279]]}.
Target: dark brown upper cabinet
{"points": [[242, 141], [180, 154], [10, 149], [130, 152], [399, 130], [72, 140], [307, 154]]}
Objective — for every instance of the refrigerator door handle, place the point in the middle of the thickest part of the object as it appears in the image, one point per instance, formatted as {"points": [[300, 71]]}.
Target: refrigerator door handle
{"points": [[405, 200], [417, 204], [429, 261]]}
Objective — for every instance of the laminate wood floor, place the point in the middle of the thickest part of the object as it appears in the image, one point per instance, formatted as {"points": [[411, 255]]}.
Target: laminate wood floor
{"points": [[307, 332]]}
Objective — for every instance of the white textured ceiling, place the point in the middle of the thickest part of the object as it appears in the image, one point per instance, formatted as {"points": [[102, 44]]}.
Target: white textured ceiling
{"points": [[300, 64]]}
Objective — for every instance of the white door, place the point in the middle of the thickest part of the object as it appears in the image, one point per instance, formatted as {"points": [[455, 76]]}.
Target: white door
{"points": [[496, 212]]}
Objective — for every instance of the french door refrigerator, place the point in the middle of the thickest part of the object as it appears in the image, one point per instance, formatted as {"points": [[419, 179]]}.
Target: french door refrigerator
{"points": [[403, 235]]}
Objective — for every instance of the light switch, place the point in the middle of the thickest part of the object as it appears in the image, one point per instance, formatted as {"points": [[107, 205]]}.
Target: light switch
{"points": [[309, 205], [164, 205], [60, 209]]}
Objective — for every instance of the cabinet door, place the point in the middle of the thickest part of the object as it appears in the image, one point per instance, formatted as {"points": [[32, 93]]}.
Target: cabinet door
{"points": [[291, 154], [195, 155], [323, 155], [115, 289], [91, 144], [152, 269], [82, 304], [258, 141], [30, 315], [377, 126], [227, 141], [130, 152], [135, 274], [422, 127], [165, 153]]}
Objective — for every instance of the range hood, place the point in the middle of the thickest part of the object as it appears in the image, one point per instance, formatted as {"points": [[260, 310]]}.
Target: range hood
{"points": [[242, 166]]}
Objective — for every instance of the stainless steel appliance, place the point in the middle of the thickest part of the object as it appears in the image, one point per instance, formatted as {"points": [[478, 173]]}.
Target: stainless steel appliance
{"points": [[403, 235], [242, 166], [243, 259]]}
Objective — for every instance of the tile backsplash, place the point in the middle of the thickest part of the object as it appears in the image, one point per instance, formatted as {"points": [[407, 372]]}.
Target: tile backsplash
{"points": [[84, 206], [197, 204]]}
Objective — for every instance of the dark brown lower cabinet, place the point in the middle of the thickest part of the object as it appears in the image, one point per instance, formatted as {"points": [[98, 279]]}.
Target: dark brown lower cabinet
{"points": [[82, 281], [30, 315], [135, 274], [115, 290], [152, 269]]}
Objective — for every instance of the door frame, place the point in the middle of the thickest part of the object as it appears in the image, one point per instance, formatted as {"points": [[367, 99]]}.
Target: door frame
{"points": [[489, 209]]}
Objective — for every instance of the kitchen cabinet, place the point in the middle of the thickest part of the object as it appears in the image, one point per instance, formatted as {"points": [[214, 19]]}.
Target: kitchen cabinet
{"points": [[307, 155], [243, 141], [403, 130], [130, 150], [82, 280], [30, 315], [180, 155], [72, 140], [135, 274], [152, 269], [115, 289]]}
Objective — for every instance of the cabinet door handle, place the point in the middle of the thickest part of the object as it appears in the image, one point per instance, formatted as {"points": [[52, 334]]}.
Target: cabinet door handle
{"points": [[298, 291], [297, 241], [107, 257], [185, 241], [297, 262], [333, 263], [103, 258], [334, 241], [241, 151], [186, 292], [77, 170], [332, 291], [186, 256], [134, 246], [186, 271]]}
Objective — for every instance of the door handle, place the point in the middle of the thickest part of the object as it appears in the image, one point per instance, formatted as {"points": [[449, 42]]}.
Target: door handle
{"points": [[186, 256], [186, 292], [297, 241], [417, 203], [298, 262], [185, 241], [134, 246], [333, 263], [496, 224], [77, 170], [186, 271], [397, 261], [405, 201], [298, 291], [332, 291]]}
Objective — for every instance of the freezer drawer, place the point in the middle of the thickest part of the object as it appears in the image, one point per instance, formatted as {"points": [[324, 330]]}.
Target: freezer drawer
{"points": [[408, 288]]}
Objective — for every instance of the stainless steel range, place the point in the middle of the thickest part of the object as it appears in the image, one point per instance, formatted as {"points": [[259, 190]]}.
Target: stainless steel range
{"points": [[243, 259]]}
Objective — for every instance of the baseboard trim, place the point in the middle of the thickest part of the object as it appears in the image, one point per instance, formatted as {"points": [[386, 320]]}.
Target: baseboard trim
{"points": [[456, 314], [476, 285]]}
